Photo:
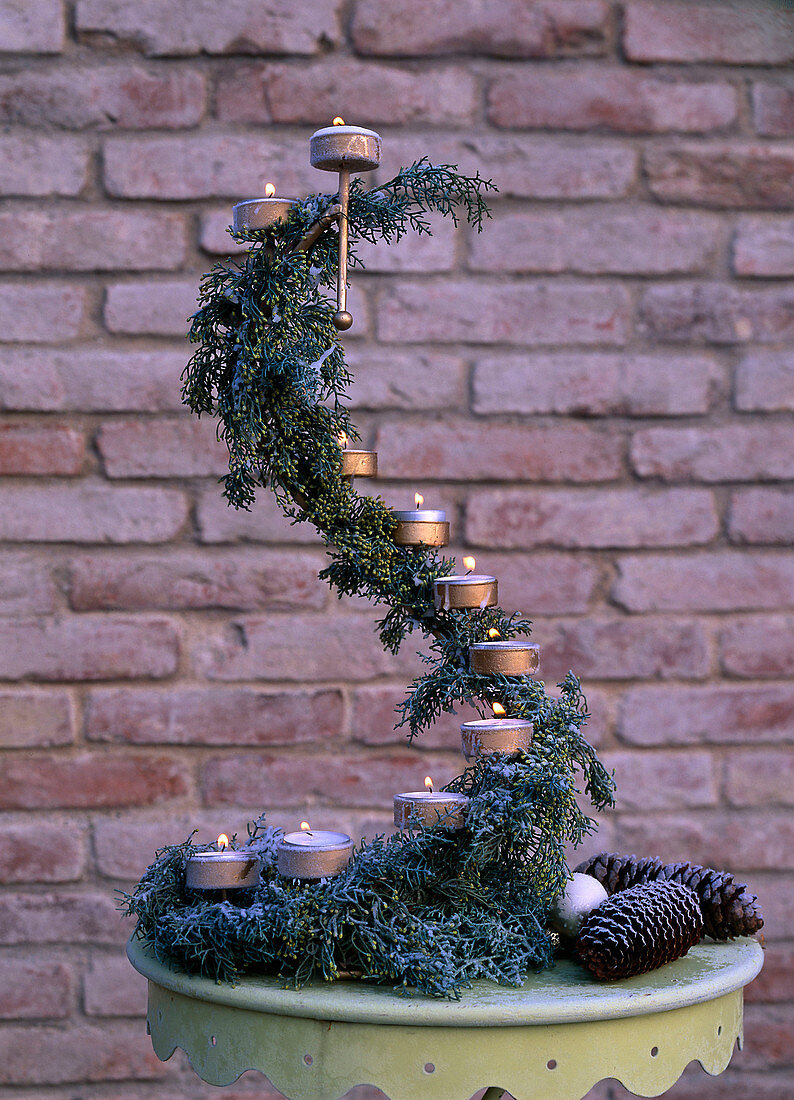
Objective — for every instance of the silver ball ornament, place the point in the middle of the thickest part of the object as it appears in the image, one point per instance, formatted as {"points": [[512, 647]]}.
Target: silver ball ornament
{"points": [[582, 894], [343, 320]]}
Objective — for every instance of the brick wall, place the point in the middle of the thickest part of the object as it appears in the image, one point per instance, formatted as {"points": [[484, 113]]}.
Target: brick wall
{"points": [[598, 388]]}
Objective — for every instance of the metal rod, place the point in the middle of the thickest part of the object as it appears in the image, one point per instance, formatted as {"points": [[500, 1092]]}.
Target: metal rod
{"points": [[341, 279], [316, 230]]}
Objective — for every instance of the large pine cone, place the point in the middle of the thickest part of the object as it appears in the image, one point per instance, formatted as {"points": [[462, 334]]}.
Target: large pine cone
{"points": [[729, 908], [640, 929]]}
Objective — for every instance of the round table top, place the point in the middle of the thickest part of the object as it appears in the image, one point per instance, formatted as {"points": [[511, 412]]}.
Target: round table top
{"points": [[564, 994]]}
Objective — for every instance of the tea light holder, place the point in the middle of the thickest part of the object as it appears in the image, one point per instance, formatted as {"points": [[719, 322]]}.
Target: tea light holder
{"points": [[344, 149], [441, 808], [421, 527], [313, 854], [465, 593], [504, 658], [227, 869], [357, 463], [261, 213], [491, 735]]}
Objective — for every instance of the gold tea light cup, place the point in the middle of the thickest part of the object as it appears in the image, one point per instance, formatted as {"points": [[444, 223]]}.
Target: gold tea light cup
{"points": [[313, 854], [356, 463], [486, 736], [466, 592], [442, 808], [503, 658], [421, 526]]}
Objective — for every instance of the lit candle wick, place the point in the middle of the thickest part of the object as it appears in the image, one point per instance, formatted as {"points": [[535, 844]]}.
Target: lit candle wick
{"points": [[498, 710], [469, 564], [339, 121], [343, 439], [270, 190], [306, 828], [494, 633], [429, 783], [223, 842], [418, 500]]}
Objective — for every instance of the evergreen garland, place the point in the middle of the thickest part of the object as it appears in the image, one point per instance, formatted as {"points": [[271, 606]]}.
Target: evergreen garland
{"points": [[425, 909]]}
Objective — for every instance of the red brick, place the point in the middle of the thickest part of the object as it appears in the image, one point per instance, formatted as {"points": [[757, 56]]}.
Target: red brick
{"points": [[198, 716], [125, 845], [517, 312], [46, 852], [103, 97], [37, 26], [35, 719], [597, 241], [590, 518], [594, 384], [156, 309], [35, 990], [242, 26], [461, 451], [663, 780], [762, 515], [405, 380], [283, 647], [27, 586], [768, 1030], [81, 918], [738, 842], [776, 980], [773, 109], [99, 240], [760, 778], [759, 647], [90, 781], [736, 452], [725, 580], [339, 86], [218, 522], [763, 247], [90, 512], [504, 28], [48, 1055], [717, 314], [111, 987], [725, 713], [282, 780], [208, 165], [684, 31], [184, 447], [765, 381], [777, 893], [91, 378], [722, 175], [87, 648], [374, 718], [36, 164], [426, 252], [41, 312], [243, 581], [214, 234], [40, 450], [529, 166], [543, 584], [624, 649], [617, 100]]}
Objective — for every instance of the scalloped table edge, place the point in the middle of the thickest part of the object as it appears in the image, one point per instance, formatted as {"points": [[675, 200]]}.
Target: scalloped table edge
{"points": [[553, 1039]]}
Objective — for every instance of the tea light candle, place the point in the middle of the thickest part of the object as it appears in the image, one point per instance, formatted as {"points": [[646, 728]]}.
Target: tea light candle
{"points": [[421, 526], [227, 869], [499, 734], [503, 658], [465, 592], [261, 213], [313, 853], [357, 463], [430, 808]]}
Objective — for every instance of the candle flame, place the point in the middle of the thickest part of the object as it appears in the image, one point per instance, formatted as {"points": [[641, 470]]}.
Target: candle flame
{"points": [[494, 633], [343, 439], [498, 710], [418, 500], [306, 826], [223, 841], [469, 562], [429, 783], [339, 121], [270, 190]]}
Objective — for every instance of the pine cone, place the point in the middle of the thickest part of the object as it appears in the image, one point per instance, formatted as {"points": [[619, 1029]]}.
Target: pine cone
{"points": [[729, 909], [640, 929]]}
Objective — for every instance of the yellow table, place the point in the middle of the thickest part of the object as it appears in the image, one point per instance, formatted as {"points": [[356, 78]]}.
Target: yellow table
{"points": [[552, 1039]]}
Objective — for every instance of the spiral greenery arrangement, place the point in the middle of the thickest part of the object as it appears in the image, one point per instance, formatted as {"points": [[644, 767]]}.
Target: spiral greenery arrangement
{"points": [[425, 909]]}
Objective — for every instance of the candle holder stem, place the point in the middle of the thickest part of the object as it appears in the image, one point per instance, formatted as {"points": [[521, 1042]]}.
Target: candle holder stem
{"points": [[342, 318], [316, 230]]}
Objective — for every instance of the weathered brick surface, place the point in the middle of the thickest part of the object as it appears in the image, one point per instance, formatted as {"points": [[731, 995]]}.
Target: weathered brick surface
{"points": [[598, 388]]}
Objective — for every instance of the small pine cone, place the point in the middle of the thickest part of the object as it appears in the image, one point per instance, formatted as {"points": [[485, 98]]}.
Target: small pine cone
{"points": [[640, 929], [616, 873], [729, 908]]}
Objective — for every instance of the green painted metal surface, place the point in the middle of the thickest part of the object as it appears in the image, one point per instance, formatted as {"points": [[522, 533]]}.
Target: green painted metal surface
{"points": [[552, 1039]]}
